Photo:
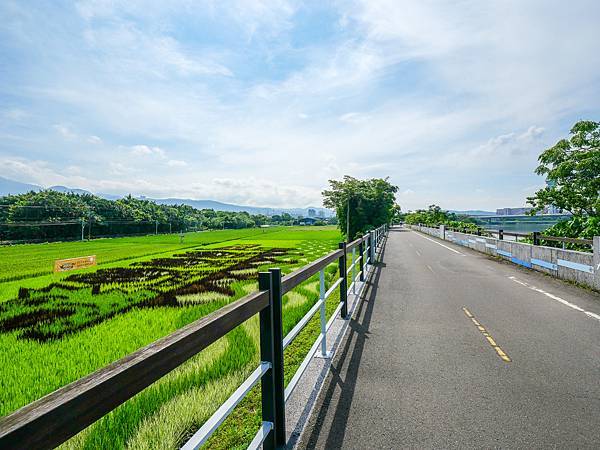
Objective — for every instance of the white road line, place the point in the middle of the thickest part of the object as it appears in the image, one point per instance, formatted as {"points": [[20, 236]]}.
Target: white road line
{"points": [[418, 252], [438, 243], [554, 297], [591, 314], [429, 267]]}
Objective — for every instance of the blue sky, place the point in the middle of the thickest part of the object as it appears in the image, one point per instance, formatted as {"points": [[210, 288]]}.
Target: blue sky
{"points": [[261, 102]]}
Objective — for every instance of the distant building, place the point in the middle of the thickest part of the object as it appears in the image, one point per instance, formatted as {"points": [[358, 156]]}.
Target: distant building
{"points": [[307, 221], [513, 211], [312, 213], [321, 213]]}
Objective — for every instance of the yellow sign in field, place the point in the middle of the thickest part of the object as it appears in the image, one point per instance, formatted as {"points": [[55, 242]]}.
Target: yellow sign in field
{"points": [[63, 265]]}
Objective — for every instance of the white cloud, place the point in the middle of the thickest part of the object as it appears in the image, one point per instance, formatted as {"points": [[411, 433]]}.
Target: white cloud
{"points": [[510, 144], [94, 140], [145, 150], [156, 55], [176, 163]]}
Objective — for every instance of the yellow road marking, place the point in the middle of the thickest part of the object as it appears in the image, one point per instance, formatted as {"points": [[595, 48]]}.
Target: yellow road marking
{"points": [[487, 335]]}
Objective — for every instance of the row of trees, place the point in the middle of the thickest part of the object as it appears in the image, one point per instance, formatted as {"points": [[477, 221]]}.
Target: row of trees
{"points": [[361, 205], [434, 216], [51, 215]]}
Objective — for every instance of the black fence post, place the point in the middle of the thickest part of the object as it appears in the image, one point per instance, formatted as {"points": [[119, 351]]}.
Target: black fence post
{"points": [[280, 437], [501, 235], [267, 347], [344, 283], [536, 238], [478, 231], [361, 249]]}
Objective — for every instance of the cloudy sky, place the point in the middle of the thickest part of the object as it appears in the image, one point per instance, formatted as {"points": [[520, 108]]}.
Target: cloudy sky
{"points": [[262, 101]]}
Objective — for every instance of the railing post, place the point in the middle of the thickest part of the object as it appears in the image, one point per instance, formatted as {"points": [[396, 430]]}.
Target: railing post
{"points": [[500, 235], [367, 248], [536, 238], [324, 353], [277, 305], [596, 249], [365, 255], [353, 270], [344, 283], [267, 349], [361, 256], [372, 247]]}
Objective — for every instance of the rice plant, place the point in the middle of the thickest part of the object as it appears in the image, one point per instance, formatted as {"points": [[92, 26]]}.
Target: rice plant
{"points": [[56, 329]]}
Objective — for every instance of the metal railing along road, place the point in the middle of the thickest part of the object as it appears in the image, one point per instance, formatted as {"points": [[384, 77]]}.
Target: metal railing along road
{"points": [[535, 236], [50, 421]]}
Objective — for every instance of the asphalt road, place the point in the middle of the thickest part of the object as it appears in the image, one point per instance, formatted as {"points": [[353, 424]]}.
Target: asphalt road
{"points": [[415, 371]]}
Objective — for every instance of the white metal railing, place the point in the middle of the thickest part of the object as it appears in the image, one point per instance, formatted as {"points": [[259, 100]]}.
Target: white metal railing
{"points": [[368, 257], [201, 436], [261, 435]]}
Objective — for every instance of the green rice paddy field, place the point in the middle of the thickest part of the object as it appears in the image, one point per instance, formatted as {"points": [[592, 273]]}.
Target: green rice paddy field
{"points": [[56, 328]]}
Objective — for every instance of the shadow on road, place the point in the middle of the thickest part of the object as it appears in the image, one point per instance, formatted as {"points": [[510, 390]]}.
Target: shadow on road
{"points": [[347, 361]]}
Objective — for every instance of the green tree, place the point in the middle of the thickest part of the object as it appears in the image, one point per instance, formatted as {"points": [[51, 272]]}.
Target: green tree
{"points": [[572, 171], [370, 203], [397, 215], [435, 216]]}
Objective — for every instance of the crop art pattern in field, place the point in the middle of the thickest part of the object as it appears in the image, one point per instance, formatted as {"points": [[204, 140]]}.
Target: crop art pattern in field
{"points": [[83, 300], [57, 328]]}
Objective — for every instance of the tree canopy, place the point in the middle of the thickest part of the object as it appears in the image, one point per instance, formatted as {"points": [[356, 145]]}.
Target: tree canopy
{"points": [[51, 215], [371, 203], [435, 216], [572, 171]]}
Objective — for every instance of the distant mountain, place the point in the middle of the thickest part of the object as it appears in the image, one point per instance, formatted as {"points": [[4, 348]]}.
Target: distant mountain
{"points": [[15, 187], [473, 212], [8, 187], [67, 190], [220, 206]]}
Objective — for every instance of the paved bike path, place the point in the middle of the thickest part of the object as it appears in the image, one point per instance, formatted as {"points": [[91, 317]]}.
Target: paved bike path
{"points": [[418, 371]]}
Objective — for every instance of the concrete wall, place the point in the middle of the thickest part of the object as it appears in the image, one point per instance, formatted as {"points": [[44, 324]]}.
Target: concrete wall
{"points": [[570, 265]]}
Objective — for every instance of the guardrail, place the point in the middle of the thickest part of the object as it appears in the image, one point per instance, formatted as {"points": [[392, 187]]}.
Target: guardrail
{"points": [[52, 420], [535, 236], [578, 266]]}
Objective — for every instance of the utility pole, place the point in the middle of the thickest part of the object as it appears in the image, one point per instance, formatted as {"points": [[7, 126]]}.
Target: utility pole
{"points": [[156, 229], [82, 229], [90, 229]]}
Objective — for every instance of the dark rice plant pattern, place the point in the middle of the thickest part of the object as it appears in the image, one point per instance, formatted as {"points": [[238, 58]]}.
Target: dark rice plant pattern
{"points": [[80, 301]]}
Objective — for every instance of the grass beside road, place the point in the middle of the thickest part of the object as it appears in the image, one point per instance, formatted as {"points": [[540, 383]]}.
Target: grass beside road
{"points": [[32, 260], [165, 413]]}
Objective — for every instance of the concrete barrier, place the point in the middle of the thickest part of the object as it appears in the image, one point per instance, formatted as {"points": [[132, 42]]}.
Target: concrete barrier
{"points": [[581, 267]]}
